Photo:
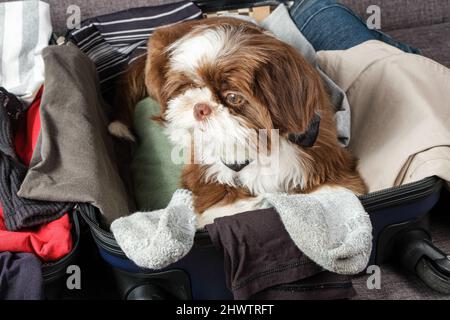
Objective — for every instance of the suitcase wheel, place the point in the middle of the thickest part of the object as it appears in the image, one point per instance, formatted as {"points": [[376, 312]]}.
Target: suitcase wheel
{"points": [[148, 292], [429, 271], [417, 254]]}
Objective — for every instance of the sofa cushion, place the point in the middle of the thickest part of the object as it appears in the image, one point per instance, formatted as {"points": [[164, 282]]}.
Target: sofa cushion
{"points": [[428, 19], [90, 8], [434, 40], [402, 14]]}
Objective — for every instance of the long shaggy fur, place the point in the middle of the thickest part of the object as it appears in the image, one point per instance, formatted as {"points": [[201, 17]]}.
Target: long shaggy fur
{"points": [[281, 89]]}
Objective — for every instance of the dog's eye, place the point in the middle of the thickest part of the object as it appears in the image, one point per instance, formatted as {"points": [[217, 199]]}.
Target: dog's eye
{"points": [[235, 99]]}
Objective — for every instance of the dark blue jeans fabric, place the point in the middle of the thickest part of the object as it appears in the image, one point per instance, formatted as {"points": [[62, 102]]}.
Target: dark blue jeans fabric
{"points": [[329, 25]]}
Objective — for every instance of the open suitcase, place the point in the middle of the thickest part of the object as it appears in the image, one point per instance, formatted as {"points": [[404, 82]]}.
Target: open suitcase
{"points": [[400, 230]]}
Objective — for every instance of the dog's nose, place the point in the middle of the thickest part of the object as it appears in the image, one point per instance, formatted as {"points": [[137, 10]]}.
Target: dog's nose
{"points": [[201, 111]]}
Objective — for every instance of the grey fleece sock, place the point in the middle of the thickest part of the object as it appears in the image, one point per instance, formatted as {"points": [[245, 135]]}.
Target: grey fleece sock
{"points": [[330, 227], [158, 238]]}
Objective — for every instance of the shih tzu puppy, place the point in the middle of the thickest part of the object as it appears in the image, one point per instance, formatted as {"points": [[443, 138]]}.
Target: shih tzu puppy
{"points": [[225, 85]]}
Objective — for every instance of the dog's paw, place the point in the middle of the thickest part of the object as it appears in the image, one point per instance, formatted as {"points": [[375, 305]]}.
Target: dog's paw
{"points": [[120, 130]]}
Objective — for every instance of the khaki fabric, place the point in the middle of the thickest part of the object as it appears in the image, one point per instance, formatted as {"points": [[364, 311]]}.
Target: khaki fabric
{"points": [[400, 107], [425, 164]]}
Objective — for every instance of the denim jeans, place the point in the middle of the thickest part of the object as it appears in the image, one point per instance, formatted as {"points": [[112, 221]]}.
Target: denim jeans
{"points": [[329, 25]]}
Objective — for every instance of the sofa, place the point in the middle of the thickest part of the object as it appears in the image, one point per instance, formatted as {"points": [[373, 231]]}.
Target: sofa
{"points": [[422, 24]]}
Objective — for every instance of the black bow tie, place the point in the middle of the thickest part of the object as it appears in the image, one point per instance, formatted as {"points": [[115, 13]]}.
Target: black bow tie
{"points": [[237, 166]]}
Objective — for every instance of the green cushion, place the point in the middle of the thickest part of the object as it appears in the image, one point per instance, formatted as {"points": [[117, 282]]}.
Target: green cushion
{"points": [[155, 175]]}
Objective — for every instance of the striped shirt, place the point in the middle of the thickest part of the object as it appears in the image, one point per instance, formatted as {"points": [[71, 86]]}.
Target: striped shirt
{"points": [[115, 40]]}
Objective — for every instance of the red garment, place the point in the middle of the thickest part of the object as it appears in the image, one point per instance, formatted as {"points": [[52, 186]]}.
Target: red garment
{"points": [[51, 241], [27, 131]]}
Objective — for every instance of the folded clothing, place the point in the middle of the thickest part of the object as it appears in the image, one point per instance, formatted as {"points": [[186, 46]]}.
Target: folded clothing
{"points": [[329, 225], [50, 241], [405, 96], [155, 239], [113, 41], [18, 211], [25, 29], [75, 158], [431, 162], [155, 175], [259, 265], [28, 128], [20, 277]]}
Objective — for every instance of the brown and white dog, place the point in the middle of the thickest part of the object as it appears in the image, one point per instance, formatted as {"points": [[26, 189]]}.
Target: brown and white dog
{"points": [[229, 78]]}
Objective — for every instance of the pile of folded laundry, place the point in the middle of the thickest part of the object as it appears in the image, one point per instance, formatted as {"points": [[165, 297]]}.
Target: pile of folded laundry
{"points": [[54, 148], [33, 229]]}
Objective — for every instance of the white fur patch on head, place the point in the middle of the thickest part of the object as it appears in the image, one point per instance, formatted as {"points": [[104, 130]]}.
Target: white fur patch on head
{"points": [[120, 130], [206, 46]]}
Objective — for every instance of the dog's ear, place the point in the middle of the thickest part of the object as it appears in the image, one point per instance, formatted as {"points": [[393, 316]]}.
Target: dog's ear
{"points": [[294, 94], [158, 58], [308, 138]]}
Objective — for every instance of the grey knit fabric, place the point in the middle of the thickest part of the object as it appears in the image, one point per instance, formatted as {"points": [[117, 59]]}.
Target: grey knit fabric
{"points": [[329, 225], [156, 239], [19, 212]]}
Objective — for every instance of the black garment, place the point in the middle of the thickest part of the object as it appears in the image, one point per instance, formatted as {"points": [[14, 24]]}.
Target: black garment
{"points": [[262, 262], [20, 277], [19, 212]]}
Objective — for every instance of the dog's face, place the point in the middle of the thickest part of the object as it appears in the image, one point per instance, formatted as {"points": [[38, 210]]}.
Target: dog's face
{"points": [[234, 83]]}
